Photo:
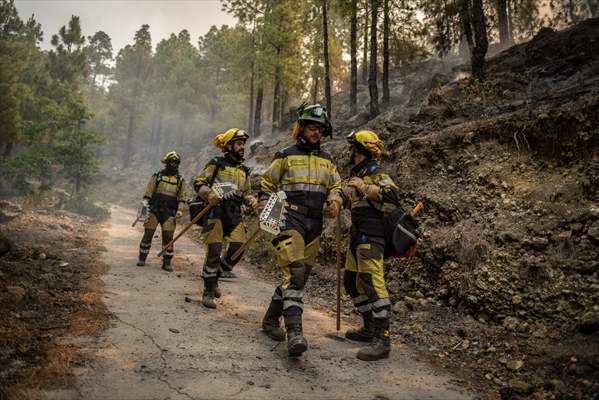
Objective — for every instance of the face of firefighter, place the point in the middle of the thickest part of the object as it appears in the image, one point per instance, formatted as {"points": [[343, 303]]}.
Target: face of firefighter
{"points": [[238, 148], [313, 132], [172, 166]]}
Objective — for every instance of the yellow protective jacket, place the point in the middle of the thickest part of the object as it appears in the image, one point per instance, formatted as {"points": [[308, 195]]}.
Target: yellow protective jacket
{"points": [[368, 214], [165, 191], [230, 171], [308, 177]]}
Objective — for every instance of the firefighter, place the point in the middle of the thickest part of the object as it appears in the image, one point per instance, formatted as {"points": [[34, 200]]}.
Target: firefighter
{"points": [[223, 221], [310, 181], [164, 201], [367, 194]]}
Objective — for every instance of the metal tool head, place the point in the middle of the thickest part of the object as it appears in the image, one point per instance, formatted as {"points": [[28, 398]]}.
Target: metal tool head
{"points": [[273, 215], [225, 190]]}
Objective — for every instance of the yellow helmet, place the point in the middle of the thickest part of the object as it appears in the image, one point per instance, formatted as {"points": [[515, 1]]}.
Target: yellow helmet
{"points": [[221, 141], [368, 141], [170, 156]]}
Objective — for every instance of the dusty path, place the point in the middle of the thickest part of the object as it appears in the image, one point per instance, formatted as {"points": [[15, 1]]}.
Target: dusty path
{"points": [[162, 347]]}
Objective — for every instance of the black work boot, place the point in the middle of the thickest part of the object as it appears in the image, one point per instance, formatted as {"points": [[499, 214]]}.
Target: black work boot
{"points": [[142, 259], [380, 346], [365, 333], [296, 342], [208, 295], [271, 322], [166, 264]]}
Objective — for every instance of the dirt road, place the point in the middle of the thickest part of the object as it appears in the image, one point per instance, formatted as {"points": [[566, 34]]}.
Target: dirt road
{"points": [[162, 347]]}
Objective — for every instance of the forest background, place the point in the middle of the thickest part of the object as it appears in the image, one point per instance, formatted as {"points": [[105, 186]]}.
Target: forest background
{"points": [[67, 111]]}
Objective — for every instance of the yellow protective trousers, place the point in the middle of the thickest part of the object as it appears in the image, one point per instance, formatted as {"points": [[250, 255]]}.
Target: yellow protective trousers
{"points": [[297, 247], [364, 276], [214, 236], [166, 219]]}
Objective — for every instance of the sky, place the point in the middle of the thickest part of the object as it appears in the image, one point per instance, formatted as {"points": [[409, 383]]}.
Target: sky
{"points": [[121, 18]]}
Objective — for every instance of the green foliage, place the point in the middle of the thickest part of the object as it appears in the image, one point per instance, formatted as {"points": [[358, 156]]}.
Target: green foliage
{"points": [[67, 61], [99, 54], [75, 145]]}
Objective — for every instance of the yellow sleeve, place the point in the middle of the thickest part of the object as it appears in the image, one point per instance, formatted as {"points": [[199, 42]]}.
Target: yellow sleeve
{"points": [[150, 188], [334, 181], [182, 195], [203, 177], [271, 178]]}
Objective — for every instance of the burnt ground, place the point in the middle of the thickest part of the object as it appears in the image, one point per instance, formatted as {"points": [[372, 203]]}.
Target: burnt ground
{"points": [[49, 290], [504, 288]]}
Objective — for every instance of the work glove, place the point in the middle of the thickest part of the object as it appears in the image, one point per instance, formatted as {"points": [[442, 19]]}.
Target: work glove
{"points": [[333, 206], [179, 213], [212, 198], [358, 184], [261, 206], [370, 192], [251, 201]]}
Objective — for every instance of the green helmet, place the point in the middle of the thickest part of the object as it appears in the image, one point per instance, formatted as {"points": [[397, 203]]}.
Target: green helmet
{"points": [[315, 113]]}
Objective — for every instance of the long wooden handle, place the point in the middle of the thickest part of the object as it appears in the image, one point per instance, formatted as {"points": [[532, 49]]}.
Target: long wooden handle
{"points": [[246, 244], [135, 222], [419, 207], [186, 228], [338, 267]]}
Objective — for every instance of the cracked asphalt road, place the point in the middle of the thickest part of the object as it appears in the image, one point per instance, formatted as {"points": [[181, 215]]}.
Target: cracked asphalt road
{"points": [[161, 347]]}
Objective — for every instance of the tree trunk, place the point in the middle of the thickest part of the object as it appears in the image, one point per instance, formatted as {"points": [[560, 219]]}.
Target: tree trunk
{"points": [[466, 22], [353, 90], [502, 20], [156, 144], [593, 8], [8, 149], [327, 70], [276, 97], [365, 46], [315, 89], [386, 92], [251, 113], [129, 143], [283, 107], [214, 100], [481, 43], [372, 87], [258, 111]]}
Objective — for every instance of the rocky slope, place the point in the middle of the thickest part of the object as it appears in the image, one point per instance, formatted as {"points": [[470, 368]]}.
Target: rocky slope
{"points": [[505, 284]]}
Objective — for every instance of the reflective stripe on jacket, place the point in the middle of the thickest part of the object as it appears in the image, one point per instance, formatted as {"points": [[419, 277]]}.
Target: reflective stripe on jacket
{"points": [[306, 177]]}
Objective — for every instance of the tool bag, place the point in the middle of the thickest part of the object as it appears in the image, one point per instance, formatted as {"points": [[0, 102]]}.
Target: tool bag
{"points": [[198, 204], [401, 234]]}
